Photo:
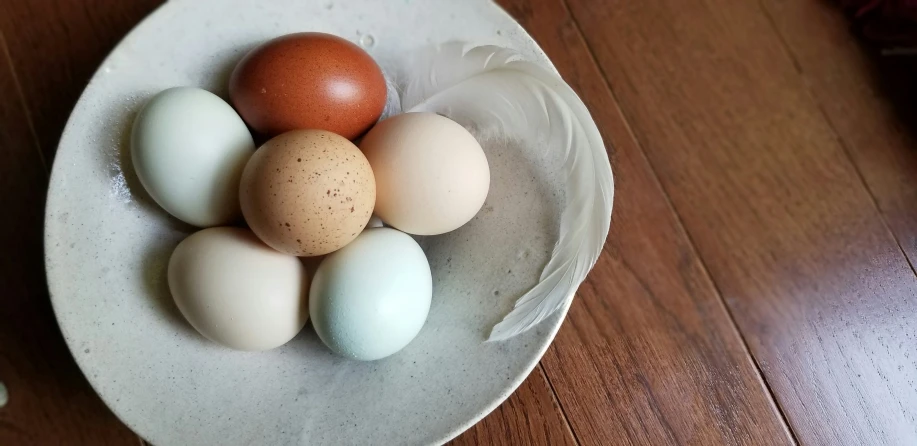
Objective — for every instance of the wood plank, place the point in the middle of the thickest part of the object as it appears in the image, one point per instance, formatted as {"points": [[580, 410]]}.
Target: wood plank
{"points": [[870, 102], [531, 416], [56, 46], [49, 400], [818, 286], [648, 354], [77, 38]]}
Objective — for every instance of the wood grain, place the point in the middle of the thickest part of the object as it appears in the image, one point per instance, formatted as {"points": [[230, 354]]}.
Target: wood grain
{"points": [[531, 416], [648, 354], [56, 46], [49, 401], [870, 102], [818, 286]]}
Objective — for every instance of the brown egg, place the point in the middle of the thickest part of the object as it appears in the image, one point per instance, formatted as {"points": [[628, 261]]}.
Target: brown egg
{"points": [[308, 81], [307, 192]]}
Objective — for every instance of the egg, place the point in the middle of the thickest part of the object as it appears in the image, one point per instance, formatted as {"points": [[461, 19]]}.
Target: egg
{"points": [[371, 298], [308, 81], [188, 148], [237, 291], [431, 174], [307, 192]]}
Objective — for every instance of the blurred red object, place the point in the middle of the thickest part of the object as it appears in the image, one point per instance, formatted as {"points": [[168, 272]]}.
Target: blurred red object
{"points": [[887, 23]]}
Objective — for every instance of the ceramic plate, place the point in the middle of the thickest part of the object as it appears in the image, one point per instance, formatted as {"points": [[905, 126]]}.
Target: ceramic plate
{"points": [[107, 246]]}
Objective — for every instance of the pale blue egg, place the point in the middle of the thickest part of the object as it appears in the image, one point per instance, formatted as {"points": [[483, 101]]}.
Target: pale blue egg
{"points": [[369, 299]]}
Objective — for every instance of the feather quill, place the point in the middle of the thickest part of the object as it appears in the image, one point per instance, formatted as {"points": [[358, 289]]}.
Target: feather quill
{"points": [[490, 87]]}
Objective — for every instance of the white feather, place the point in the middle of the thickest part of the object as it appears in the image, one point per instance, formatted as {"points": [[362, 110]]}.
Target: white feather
{"points": [[490, 87]]}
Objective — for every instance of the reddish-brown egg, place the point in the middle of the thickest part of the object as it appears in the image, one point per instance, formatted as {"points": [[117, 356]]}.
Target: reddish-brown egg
{"points": [[308, 81]]}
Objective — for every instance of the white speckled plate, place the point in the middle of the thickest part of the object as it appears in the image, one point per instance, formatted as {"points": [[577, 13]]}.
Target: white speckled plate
{"points": [[107, 245]]}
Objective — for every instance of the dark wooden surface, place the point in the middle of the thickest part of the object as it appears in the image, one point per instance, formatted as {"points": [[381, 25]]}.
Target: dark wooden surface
{"points": [[777, 210], [758, 283]]}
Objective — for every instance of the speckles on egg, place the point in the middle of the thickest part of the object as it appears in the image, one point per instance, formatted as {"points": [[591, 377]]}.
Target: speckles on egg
{"points": [[295, 198]]}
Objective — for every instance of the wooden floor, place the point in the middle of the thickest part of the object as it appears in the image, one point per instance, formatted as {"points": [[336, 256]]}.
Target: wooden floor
{"points": [[758, 285]]}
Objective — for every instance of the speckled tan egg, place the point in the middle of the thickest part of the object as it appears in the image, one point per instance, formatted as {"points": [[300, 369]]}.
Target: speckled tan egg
{"points": [[307, 192]]}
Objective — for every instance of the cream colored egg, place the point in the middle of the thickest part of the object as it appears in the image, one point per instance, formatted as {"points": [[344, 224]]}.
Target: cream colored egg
{"points": [[237, 291], [431, 174]]}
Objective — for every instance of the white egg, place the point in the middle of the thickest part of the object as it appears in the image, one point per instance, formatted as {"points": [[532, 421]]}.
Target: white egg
{"points": [[370, 299], [189, 148], [237, 291]]}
